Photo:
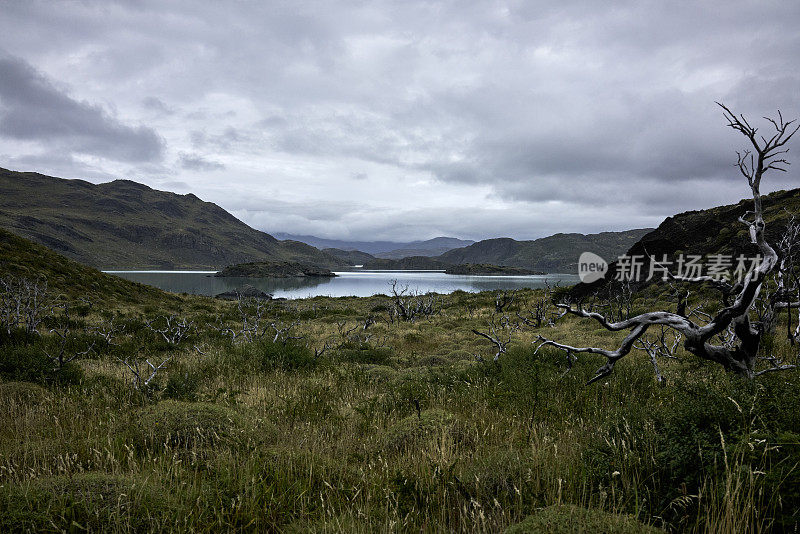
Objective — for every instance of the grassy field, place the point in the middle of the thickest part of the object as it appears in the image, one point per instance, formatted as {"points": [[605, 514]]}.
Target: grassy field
{"points": [[396, 427]]}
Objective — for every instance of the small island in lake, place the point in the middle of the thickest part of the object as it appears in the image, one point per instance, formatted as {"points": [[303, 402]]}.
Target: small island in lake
{"points": [[245, 292], [489, 269], [274, 269]]}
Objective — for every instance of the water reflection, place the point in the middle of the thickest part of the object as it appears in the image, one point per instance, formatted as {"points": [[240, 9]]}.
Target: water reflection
{"points": [[355, 283]]}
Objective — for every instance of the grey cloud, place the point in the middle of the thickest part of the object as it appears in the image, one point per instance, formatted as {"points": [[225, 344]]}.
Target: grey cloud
{"points": [[221, 141], [157, 105], [33, 109], [534, 116], [195, 162], [175, 185], [57, 164]]}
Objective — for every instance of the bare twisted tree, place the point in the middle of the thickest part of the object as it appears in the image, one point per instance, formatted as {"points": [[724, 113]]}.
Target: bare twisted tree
{"points": [[701, 337], [24, 303], [410, 305]]}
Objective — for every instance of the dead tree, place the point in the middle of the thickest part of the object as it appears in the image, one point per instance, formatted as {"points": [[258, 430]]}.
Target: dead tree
{"points": [[319, 351], [664, 345], [63, 355], [143, 376], [503, 300], [788, 279], [495, 336], [699, 337], [174, 329], [24, 303], [409, 305], [540, 311], [283, 332], [108, 331], [251, 311]]}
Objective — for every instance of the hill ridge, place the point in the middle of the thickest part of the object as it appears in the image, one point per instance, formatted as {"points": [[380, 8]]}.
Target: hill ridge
{"points": [[126, 224]]}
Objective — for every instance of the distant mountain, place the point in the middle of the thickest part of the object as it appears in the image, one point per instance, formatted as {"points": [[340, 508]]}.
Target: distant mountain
{"points": [[555, 254], [410, 263], [351, 257], [431, 247], [124, 224]]}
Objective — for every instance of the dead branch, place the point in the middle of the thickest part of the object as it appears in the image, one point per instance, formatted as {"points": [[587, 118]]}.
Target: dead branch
{"points": [[495, 338], [741, 356], [174, 329]]}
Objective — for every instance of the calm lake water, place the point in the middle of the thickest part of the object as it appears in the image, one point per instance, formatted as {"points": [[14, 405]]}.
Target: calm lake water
{"points": [[355, 283]]}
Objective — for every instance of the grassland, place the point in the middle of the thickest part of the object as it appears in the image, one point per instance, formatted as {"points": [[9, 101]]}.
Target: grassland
{"points": [[396, 427]]}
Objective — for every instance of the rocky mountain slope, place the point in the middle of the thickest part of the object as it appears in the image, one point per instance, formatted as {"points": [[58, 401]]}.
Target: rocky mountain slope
{"points": [[411, 263], [712, 231]]}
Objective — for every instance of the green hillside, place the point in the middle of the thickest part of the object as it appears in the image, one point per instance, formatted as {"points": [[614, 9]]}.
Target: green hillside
{"points": [[554, 254], [21, 258], [124, 224], [717, 230], [350, 257], [704, 232]]}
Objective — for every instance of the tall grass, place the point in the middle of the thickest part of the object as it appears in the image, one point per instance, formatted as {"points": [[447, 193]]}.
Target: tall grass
{"points": [[403, 432]]}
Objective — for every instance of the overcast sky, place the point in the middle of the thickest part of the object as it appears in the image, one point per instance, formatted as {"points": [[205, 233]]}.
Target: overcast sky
{"points": [[403, 120]]}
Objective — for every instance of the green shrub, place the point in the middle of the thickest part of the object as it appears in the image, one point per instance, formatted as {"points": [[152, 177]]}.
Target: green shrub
{"points": [[85, 502], [689, 429], [182, 385], [364, 353], [23, 393], [415, 429], [379, 373], [460, 354], [30, 363], [289, 356], [569, 519], [182, 424]]}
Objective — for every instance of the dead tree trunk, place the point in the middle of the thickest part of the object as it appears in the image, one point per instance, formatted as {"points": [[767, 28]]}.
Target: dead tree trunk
{"points": [[740, 356]]}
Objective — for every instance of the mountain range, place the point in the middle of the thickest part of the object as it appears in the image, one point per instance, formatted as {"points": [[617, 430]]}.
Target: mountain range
{"points": [[383, 249], [124, 224], [557, 253], [127, 225]]}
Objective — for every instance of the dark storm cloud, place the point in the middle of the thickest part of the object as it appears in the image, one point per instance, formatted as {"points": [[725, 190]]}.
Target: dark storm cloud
{"points": [[33, 109]]}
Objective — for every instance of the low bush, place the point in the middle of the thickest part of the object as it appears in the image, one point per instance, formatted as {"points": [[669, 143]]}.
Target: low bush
{"points": [[23, 393], [415, 429], [90, 502], [183, 425], [364, 353], [568, 519], [289, 356]]}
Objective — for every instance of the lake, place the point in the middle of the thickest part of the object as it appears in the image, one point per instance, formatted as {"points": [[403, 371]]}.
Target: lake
{"points": [[360, 283]]}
